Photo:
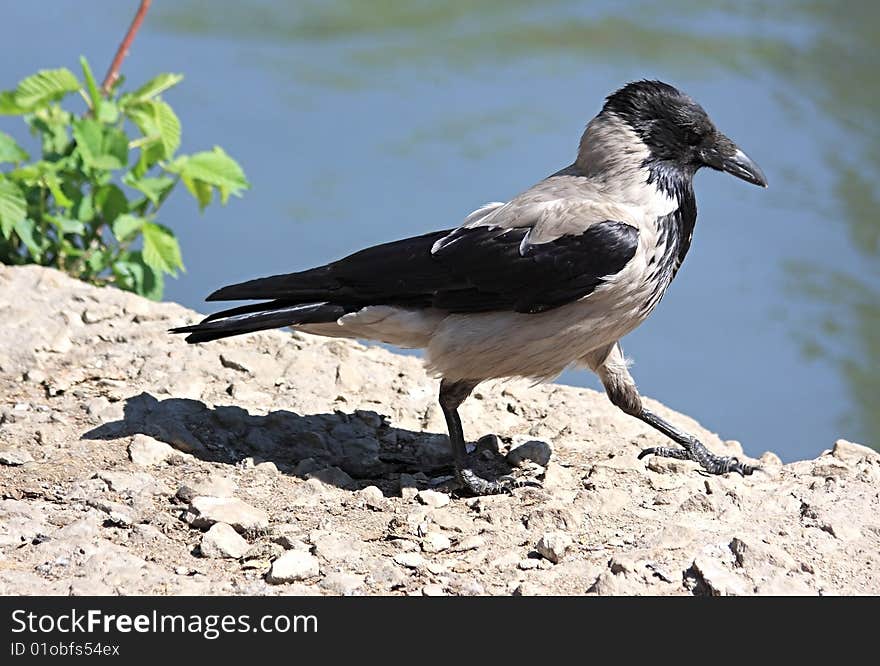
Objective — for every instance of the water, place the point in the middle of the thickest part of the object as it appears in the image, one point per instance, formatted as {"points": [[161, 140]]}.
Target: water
{"points": [[360, 122]]}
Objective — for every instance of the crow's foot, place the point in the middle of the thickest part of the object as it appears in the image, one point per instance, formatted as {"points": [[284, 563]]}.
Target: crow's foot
{"points": [[477, 485], [696, 451]]}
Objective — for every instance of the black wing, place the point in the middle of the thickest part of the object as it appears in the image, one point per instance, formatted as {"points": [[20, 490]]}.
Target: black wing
{"points": [[484, 269]]}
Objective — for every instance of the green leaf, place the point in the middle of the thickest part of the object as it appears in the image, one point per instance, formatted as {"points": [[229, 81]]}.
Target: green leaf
{"points": [[45, 86], [67, 226], [10, 150], [154, 86], [109, 112], [161, 249], [111, 201], [153, 188], [150, 155], [125, 226], [98, 261], [84, 206], [156, 120], [133, 274], [215, 168], [25, 228], [91, 86], [52, 123], [8, 105], [54, 185], [13, 207], [101, 147], [200, 190]]}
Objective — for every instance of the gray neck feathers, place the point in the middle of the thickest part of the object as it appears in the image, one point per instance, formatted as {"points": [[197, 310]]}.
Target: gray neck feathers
{"points": [[611, 152]]}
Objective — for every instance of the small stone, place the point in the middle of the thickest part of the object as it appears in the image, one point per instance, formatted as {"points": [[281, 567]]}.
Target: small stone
{"points": [[292, 566], [336, 547], [536, 451], [433, 498], [373, 497], [213, 485], [527, 564], [332, 476], [15, 457], [146, 451], [470, 543], [130, 482], [433, 590], [35, 375], [234, 361], [205, 511], [435, 542], [221, 540], [60, 344], [266, 467], [770, 459], [340, 582], [409, 487], [850, 452], [289, 541], [117, 514], [410, 560], [405, 545], [527, 589], [831, 468], [553, 546], [716, 579], [90, 316], [388, 576]]}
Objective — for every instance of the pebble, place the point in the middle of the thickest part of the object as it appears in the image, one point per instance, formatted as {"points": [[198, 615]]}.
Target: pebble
{"points": [[433, 590], [410, 560], [117, 514], [409, 487], [716, 579], [470, 543], [213, 485], [553, 546], [340, 582], [15, 457], [535, 451], [432, 498], [205, 511], [850, 452], [333, 476], [435, 542], [292, 566], [221, 540], [145, 450], [373, 497]]}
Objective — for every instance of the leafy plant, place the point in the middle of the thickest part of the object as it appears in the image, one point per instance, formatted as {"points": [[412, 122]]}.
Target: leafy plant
{"points": [[89, 204]]}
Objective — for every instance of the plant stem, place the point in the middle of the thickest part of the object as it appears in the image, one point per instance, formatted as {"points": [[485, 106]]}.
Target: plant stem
{"points": [[122, 51]]}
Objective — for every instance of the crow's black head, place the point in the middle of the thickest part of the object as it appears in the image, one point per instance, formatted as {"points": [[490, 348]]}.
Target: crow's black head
{"points": [[677, 131]]}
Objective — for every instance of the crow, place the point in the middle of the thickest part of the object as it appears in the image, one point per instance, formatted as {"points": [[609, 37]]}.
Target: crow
{"points": [[525, 288]]}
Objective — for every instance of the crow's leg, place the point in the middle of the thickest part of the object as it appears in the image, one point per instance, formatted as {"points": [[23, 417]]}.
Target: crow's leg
{"points": [[452, 394], [611, 367]]}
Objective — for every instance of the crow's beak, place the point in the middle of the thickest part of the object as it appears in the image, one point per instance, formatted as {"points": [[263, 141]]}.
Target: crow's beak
{"points": [[726, 156]]}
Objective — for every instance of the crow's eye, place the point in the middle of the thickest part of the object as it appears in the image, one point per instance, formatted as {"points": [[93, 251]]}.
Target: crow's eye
{"points": [[691, 136]]}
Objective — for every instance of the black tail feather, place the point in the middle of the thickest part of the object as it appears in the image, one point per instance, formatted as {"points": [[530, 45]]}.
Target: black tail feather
{"points": [[260, 317]]}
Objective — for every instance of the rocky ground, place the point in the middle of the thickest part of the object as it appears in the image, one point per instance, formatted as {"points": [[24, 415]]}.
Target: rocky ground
{"points": [[132, 463]]}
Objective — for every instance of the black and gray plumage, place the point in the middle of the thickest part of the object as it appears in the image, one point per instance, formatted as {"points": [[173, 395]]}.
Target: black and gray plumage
{"points": [[554, 277]]}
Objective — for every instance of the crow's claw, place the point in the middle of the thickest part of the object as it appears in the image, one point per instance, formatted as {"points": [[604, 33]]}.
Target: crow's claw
{"points": [[477, 485], [695, 451]]}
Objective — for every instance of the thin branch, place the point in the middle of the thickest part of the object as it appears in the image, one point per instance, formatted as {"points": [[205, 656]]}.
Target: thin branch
{"points": [[122, 51]]}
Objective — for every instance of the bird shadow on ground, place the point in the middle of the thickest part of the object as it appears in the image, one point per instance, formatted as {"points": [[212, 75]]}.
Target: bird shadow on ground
{"points": [[348, 450]]}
